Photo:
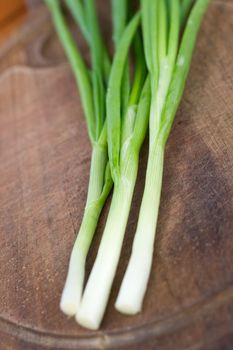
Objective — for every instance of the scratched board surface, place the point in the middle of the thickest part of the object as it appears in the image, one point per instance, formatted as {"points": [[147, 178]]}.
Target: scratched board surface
{"points": [[44, 165]]}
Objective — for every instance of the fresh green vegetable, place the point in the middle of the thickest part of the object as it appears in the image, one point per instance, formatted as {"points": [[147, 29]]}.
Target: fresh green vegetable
{"points": [[86, 18], [168, 64], [118, 105], [119, 20], [125, 136], [92, 87], [77, 10], [185, 9]]}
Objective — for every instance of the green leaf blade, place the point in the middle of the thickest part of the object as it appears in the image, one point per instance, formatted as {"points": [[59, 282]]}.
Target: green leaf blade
{"points": [[77, 63], [114, 95], [182, 66], [77, 10]]}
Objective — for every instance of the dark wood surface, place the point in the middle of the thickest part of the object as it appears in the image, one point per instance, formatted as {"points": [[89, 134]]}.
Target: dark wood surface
{"points": [[44, 164]]}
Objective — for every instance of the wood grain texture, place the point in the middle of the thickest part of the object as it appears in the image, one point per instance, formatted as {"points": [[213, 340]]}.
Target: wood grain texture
{"points": [[8, 9], [44, 165]]}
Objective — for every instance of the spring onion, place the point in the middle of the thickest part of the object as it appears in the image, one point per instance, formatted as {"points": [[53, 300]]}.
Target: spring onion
{"points": [[168, 62], [92, 92]]}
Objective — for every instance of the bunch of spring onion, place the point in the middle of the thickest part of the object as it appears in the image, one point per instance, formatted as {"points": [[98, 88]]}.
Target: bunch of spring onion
{"points": [[169, 29], [128, 123]]}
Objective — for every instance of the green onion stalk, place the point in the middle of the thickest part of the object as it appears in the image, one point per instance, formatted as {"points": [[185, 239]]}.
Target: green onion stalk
{"points": [[92, 87], [168, 61], [125, 136], [120, 17]]}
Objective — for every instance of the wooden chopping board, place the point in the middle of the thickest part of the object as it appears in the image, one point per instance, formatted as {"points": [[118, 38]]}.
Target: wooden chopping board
{"points": [[44, 165]]}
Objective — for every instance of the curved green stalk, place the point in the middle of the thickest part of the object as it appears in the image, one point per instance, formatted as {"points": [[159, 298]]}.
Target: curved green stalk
{"points": [[86, 18], [77, 10], [77, 63], [97, 58]]}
